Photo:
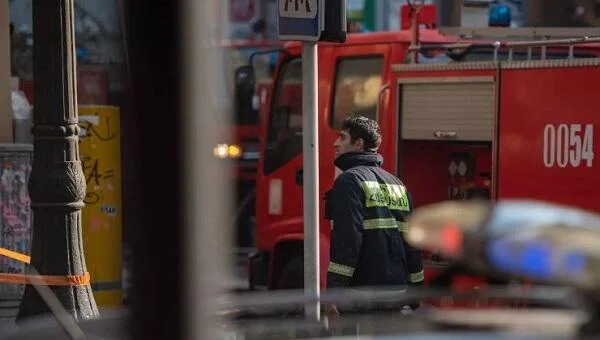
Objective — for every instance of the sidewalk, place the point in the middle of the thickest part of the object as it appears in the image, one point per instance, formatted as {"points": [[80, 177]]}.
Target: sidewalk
{"points": [[235, 280], [8, 313]]}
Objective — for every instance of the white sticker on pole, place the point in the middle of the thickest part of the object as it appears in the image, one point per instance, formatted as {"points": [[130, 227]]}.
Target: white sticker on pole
{"points": [[275, 197]]}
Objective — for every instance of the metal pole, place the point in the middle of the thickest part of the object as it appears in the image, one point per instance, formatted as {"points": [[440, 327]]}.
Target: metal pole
{"points": [[264, 15], [457, 10], [207, 256], [6, 115], [382, 16], [57, 184], [310, 145], [449, 13]]}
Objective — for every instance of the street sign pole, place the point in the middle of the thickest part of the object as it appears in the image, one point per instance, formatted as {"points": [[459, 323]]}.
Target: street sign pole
{"points": [[310, 146], [303, 20]]}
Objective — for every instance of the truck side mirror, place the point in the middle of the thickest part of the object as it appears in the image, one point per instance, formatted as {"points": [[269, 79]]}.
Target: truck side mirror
{"points": [[244, 90]]}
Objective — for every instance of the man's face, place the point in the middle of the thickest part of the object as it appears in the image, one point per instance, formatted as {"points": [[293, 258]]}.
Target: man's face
{"points": [[343, 144]]}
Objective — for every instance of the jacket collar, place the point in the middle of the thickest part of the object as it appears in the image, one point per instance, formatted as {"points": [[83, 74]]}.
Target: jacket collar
{"points": [[351, 159]]}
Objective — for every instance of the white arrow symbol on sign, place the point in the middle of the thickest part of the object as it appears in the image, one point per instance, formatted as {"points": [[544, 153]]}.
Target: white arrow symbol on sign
{"points": [[304, 9], [452, 168], [462, 168]]}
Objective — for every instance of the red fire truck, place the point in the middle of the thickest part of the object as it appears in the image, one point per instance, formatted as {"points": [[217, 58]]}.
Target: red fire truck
{"points": [[242, 147], [246, 118], [460, 118]]}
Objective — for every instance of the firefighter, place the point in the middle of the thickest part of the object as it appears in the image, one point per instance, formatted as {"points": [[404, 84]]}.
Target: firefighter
{"points": [[367, 207]]}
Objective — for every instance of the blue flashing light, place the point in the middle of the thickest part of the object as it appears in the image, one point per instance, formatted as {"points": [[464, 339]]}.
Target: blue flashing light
{"points": [[501, 255], [575, 263], [535, 259], [499, 15]]}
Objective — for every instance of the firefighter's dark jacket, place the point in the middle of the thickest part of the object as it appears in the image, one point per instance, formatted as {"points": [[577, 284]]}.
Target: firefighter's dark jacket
{"points": [[368, 207]]}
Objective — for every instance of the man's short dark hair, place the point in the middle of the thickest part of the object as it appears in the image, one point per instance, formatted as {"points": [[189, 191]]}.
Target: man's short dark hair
{"points": [[362, 127]]}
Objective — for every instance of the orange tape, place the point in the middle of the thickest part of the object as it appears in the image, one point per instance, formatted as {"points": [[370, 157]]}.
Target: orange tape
{"points": [[15, 256], [48, 280]]}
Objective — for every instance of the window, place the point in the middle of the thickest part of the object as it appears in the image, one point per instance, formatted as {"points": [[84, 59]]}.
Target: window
{"points": [[284, 136], [357, 85], [263, 65]]}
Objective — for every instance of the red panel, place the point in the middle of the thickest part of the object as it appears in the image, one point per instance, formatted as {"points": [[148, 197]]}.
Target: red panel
{"points": [[427, 16], [424, 168], [92, 86], [27, 88], [562, 102]]}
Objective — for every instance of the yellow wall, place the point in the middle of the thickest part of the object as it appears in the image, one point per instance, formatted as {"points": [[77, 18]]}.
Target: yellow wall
{"points": [[101, 160]]}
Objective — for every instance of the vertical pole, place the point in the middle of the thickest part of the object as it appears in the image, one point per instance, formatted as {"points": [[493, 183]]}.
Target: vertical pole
{"points": [[208, 265], [57, 184], [264, 15], [457, 9], [382, 16], [533, 13], [6, 114], [449, 13], [310, 145]]}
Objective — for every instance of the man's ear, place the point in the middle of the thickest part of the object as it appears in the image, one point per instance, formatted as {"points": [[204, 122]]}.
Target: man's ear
{"points": [[360, 143]]}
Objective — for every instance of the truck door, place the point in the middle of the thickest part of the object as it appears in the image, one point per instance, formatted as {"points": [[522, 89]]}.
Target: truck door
{"points": [[446, 116], [359, 73], [547, 127]]}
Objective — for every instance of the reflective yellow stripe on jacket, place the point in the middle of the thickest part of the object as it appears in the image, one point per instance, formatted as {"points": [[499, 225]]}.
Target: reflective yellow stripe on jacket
{"points": [[416, 277], [391, 196], [384, 223], [340, 269]]}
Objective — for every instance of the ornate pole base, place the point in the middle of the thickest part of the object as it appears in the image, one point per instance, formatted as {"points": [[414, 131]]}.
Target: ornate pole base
{"points": [[57, 184]]}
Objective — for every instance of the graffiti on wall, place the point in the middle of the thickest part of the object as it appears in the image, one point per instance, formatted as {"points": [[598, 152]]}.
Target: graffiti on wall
{"points": [[15, 221], [99, 149], [99, 174]]}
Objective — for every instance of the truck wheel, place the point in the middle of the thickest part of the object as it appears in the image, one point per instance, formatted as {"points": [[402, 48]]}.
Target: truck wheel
{"points": [[292, 275]]}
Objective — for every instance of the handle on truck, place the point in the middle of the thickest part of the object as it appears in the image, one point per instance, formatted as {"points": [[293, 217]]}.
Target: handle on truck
{"points": [[382, 90], [300, 176]]}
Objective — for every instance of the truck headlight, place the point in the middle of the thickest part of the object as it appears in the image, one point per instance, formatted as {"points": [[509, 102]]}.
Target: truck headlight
{"points": [[224, 151], [234, 151]]}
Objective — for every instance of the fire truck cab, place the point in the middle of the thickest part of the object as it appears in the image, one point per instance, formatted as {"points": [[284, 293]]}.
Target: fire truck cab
{"points": [[461, 118], [241, 146]]}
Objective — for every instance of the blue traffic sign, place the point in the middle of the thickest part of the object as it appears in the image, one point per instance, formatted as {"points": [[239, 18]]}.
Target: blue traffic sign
{"points": [[300, 20]]}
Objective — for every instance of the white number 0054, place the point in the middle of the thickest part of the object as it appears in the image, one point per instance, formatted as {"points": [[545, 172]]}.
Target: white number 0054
{"points": [[568, 144]]}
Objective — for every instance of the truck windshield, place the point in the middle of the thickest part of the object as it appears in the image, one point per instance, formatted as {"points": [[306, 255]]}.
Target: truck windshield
{"points": [[284, 136], [240, 56], [357, 84]]}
